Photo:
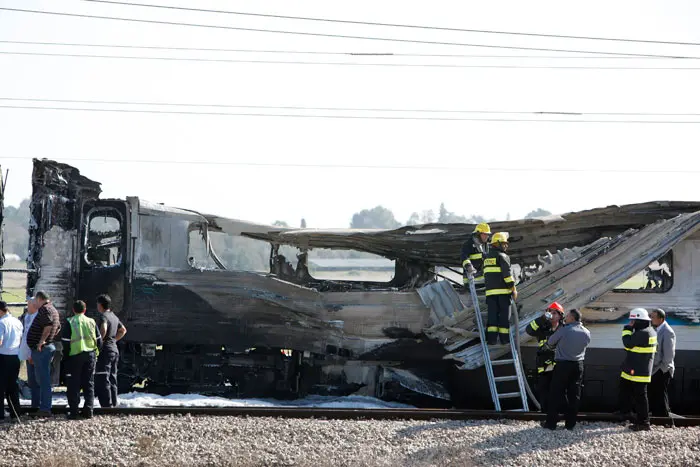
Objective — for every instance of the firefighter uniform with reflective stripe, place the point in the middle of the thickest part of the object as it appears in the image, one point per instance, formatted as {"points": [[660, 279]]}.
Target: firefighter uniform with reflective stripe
{"points": [[83, 340], [640, 345], [473, 253], [541, 329], [499, 283]]}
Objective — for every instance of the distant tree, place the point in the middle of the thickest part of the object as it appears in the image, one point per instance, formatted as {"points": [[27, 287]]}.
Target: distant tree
{"points": [[539, 212], [508, 216], [448, 217], [281, 224], [378, 217], [16, 223], [414, 219], [425, 217], [303, 223]]}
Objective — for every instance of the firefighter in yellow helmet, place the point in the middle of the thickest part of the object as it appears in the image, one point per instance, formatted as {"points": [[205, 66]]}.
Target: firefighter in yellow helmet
{"points": [[500, 289], [473, 251]]}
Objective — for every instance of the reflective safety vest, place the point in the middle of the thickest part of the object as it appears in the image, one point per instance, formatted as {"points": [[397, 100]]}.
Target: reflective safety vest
{"points": [[498, 277], [473, 252], [541, 329], [640, 346], [83, 335]]}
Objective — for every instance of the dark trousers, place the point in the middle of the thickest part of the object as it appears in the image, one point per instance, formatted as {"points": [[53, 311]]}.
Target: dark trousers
{"points": [[80, 374], [498, 321], [658, 394], [566, 384], [9, 372], [106, 378], [632, 392], [544, 384]]}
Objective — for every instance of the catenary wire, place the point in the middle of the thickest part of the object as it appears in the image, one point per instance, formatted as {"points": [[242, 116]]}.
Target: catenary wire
{"points": [[336, 36], [396, 25], [347, 109], [400, 65], [366, 166], [318, 52], [351, 117]]}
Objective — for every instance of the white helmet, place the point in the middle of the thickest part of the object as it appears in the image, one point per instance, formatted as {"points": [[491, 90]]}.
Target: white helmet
{"points": [[640, 313]]}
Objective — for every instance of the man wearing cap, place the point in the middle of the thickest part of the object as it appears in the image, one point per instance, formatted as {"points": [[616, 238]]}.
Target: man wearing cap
{"points": [[541, 329], [639, 340], [10, 338]]}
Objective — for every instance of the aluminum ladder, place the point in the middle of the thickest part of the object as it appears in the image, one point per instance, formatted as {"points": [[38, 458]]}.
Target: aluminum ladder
{"points": [[489, 363]]}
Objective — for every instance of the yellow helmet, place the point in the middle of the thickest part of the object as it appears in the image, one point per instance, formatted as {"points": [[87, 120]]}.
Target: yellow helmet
{"points": [[499, 237], [482, 228]]}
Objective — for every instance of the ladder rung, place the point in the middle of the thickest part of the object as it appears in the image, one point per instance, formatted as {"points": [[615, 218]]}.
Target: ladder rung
{"points": [[509, 395], [502, 362], [515, 410], [499, 379]]}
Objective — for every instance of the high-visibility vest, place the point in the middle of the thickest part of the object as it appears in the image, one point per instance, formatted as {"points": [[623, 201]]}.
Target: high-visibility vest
{"points": [[83, 335], [497, 273]]}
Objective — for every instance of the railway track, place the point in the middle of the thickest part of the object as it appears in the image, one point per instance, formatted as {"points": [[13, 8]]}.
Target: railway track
{"points": [[373, 414]]}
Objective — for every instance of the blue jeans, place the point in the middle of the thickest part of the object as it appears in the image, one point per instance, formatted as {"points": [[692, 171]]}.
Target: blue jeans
{"points": [[42, 373], [33, 385]]}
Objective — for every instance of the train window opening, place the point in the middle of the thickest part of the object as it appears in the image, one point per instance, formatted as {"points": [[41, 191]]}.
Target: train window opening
{"points": [[657, 277], [237, 253], [350, 265], [103, 242]]}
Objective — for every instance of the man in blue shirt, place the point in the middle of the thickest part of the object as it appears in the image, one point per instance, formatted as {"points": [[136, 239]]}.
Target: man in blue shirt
{"points": [[10, 339]]}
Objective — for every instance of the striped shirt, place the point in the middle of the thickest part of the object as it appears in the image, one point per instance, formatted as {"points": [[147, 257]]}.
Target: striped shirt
{"points": [[46, 316]]}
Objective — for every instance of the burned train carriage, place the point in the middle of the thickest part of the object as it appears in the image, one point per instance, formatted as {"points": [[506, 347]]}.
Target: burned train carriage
{"points": [[219, 305]]}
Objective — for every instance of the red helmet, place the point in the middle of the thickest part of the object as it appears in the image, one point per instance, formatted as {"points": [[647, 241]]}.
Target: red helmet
{"points": [[556, 307]]}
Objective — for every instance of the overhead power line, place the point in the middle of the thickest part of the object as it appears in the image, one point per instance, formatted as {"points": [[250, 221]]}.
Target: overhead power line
{"points": [[336, 36], [371, 64], [354, 54], [348, 109], [397, 25], [350, 117], [630, 170]]}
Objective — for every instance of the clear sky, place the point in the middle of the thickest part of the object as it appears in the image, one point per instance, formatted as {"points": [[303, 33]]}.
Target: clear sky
{"points": [[327, 196]]}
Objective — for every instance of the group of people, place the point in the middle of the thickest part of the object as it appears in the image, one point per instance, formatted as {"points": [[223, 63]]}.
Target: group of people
{"points": [[648, 340], [90, 355]]}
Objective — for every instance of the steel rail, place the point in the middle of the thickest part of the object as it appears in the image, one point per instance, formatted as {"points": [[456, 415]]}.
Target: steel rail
{"points": [[373, 414]]}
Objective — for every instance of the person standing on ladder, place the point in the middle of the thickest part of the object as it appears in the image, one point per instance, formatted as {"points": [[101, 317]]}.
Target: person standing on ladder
{"points": [[541, 329], [500, 289], [473, 251]]}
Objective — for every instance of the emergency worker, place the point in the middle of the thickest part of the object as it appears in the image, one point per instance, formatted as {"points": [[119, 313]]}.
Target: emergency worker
{"points": [[473, 251], [639, 340], [500, 289], [83, 340], [541, 329]]}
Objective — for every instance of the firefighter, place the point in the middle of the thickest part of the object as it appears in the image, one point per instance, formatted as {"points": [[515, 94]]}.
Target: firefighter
{"points": [[639, 340], [500, 289], [541, 328], [83, 340], [473, 251]]}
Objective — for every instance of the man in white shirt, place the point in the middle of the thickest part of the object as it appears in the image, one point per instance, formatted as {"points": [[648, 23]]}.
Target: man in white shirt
{"points": [[25, 353], [664, 367], [10, 338]]}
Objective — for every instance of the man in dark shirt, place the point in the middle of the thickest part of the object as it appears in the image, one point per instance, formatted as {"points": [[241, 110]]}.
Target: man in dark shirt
{"points": [[40, 339], [111, 330]]}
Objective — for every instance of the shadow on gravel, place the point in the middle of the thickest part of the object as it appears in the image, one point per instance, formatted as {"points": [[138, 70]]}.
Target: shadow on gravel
{"points": [[451, 424]]}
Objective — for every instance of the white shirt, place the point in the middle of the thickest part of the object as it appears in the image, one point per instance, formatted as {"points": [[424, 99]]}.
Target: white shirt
{"points": [[11, 334], [24, 351]]}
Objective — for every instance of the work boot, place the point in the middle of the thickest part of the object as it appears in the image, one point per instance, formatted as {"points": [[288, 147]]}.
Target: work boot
{"points": [[73, 416], [549, 427], [42, 414], [87, 414]]}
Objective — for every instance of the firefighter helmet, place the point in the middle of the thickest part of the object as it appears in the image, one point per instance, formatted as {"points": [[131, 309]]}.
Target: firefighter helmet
{"points": [[556, 307], [482, 228], [640, 313], [499, 237]]}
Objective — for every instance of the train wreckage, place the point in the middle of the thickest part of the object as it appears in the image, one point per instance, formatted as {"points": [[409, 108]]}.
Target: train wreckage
{"points": [[201, 319]]}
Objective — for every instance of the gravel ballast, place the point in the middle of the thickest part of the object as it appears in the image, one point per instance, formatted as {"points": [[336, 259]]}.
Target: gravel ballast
{"points": [[208, 440]]}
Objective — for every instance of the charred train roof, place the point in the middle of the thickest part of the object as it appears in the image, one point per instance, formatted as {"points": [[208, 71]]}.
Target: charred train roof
{"points": [[441, 243], [429, 243]]}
